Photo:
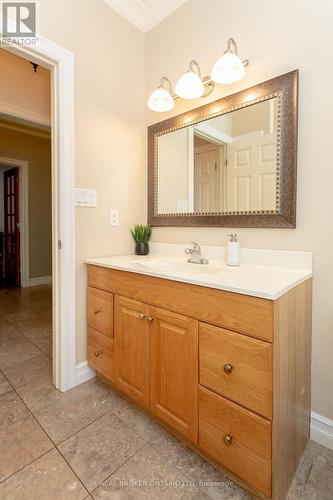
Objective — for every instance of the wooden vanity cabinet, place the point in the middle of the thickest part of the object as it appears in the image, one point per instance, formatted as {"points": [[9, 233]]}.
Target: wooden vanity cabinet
{"points": [[100, 331], [131, 371], [228, 373], [156, 363], [238, 367], [174, 371]]}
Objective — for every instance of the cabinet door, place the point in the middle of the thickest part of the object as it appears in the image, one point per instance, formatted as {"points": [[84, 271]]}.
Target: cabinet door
{"points": [[131, 349], [174, 371]]}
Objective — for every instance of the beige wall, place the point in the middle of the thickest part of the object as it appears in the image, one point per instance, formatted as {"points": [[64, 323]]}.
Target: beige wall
{"points": [[173, 161], [276, 37], [24, 93], [109, 127], [37, 152], [252, 119]]}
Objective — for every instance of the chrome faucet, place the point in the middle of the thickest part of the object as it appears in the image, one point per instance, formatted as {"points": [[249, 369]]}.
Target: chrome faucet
{"points": [[195, 254]]}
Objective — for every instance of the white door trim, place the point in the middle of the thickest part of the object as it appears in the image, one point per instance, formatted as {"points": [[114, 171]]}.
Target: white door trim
{"points": [[23, 167], [61, 64]]}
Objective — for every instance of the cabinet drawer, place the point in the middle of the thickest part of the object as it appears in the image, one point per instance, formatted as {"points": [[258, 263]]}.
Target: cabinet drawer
{"points": [[100, 353], [100, 311], [236, 438], [238, 367]]}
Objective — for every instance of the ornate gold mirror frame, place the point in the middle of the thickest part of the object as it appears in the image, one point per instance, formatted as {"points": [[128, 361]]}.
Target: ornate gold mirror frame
{"points": [[285, 89]]}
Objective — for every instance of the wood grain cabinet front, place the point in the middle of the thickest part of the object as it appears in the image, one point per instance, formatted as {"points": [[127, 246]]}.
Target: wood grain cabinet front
{"points": [[238, 367], [228, 373], [101, 353], [100, 311], [236, 438], [174, 371], [132, 349]]}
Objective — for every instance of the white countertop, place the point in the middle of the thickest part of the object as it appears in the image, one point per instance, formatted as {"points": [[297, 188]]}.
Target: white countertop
{"points": [[262, 273]]}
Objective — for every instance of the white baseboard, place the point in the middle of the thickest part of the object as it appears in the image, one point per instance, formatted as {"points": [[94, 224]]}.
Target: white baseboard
{"points": [[41, 280], [84, 373], [321, 430]]}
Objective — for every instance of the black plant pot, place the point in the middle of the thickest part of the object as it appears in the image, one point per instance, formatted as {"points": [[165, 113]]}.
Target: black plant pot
{"points": [[141, 248]]}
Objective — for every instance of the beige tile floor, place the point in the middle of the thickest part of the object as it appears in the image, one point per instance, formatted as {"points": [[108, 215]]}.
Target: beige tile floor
{"points": [[91, 443]]}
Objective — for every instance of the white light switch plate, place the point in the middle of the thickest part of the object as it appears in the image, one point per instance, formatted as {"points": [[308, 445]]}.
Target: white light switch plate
{"points": [[85, 198], [114, 217]]}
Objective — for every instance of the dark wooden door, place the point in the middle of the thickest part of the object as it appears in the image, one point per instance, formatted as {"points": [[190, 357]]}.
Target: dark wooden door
{"points": [[12, 227]]}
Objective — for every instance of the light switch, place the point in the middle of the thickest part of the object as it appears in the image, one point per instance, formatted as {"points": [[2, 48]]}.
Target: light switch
{"points": [[85, 198], [114, 217]]}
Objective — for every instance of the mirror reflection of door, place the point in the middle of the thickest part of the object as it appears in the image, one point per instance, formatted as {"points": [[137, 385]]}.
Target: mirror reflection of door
{"points": [[223, 164], [208, 175], [12, 227], [251, 173]]}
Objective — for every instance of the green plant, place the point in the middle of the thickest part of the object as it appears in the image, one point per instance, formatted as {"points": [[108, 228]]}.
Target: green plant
{"points": [[141, 232]]}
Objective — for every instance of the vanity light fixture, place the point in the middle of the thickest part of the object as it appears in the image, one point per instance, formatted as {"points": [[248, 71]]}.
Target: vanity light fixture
{"points": [[229, 68], [161, 99], [190, 86]]}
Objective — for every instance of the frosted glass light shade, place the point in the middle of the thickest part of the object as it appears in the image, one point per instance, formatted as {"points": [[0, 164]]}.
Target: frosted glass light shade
{"points": [[190, 86], [228, 69], [161, 100]]}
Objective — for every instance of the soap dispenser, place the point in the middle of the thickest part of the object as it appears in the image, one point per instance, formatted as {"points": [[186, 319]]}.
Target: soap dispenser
{"points": [[233, 251]]}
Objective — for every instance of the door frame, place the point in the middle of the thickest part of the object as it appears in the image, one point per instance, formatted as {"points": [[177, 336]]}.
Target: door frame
{"points": [[23, 167], [61, 64]]}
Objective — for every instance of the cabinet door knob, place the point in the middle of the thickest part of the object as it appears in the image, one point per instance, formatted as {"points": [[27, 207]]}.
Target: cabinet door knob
{"points": [[228, 368], [96, 310], [98, 353], [227, 439], [142, 316], [150, 319]]}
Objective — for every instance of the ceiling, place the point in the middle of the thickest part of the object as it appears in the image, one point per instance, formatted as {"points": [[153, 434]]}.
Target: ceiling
{"points": [[144, 14]]}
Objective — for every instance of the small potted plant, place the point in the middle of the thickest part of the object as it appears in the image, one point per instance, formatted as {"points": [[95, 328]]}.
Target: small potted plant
{"points": [[141, 234]]}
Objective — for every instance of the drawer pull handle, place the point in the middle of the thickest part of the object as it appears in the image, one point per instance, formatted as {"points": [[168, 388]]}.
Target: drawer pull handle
{"points": [[142, 316], [98, 353], [150, 319], [96, 310], [228, 368], [227, 439]]}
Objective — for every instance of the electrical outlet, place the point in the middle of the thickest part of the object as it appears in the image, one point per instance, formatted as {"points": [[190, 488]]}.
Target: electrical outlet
{"points": [[114, 217]]}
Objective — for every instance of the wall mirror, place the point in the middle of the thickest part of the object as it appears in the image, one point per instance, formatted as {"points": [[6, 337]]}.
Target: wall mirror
{"points": [[231, 162]]}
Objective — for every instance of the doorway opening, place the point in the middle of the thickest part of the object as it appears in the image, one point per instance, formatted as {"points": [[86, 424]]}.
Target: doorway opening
{"points": [[60, 63], [25, 214]]}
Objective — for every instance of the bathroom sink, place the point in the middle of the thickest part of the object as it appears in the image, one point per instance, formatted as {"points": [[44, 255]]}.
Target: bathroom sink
{"points": [[171, 266], [262, 273]]}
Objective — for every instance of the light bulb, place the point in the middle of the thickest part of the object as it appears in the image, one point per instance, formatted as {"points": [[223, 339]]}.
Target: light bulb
{"points": [[161, 100], [190, 86], [228, 69]]}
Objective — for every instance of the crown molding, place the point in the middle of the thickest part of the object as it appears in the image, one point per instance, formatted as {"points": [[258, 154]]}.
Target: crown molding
{"points": [[24, 129], [19, 113], [144, 14]]}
